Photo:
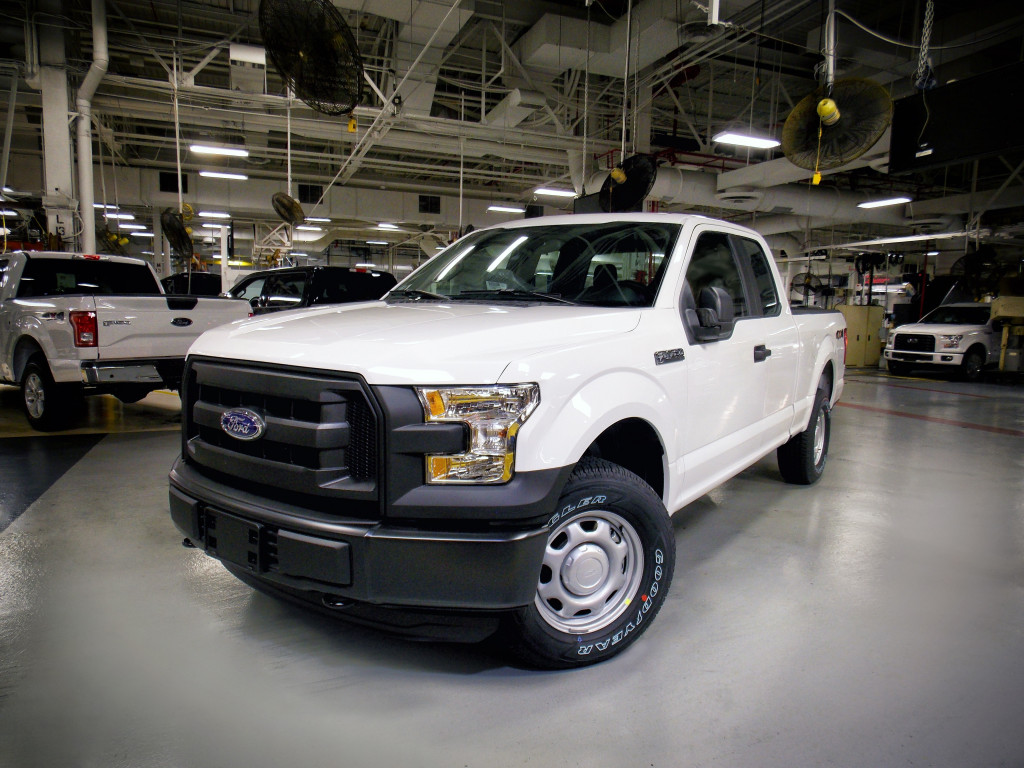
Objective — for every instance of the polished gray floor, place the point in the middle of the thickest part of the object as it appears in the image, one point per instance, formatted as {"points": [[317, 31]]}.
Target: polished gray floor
{"points": [[876, 619]]}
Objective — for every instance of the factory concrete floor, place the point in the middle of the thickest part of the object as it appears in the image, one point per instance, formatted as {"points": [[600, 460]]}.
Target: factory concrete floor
{"points": [[874, 619]]}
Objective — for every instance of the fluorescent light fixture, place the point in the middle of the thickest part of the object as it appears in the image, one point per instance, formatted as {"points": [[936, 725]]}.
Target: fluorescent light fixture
{"points": [[8, 212], [319, 219], [366, 264], [883, 203], [309, 228], [932, 253], [213, 225], [131, 226], [4, 231], [214, 215], [224, 175], [403, 268], [142, 234], [377, 242], [146, 253], [440, 247], [387, 225], [745, 140], [298, 253], [121, 216], [205, 149], [506, 209], [550, 192], [107, 206]]}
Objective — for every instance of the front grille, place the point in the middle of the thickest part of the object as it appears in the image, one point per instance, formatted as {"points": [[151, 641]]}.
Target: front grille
{"points": [[319, 446], [914, 342]]}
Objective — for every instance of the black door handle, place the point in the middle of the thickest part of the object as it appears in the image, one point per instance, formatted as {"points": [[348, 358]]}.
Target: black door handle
{"points": [[761, 353]]}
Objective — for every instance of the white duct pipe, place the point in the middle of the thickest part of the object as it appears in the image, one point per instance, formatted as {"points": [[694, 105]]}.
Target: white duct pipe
{"points": [[100, 61], [819, 205]]}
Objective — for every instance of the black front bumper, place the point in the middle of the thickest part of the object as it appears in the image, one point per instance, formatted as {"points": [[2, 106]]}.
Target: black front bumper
{"points": [[337, 562]]}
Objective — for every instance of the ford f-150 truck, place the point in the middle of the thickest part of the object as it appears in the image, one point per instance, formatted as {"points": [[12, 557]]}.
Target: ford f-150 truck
{"points": [[959, 338], [73, 325], [497, 445]]}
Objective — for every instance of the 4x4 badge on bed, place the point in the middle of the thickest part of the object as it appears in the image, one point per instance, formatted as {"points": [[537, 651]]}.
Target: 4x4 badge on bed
{"points": [[243, 424]]}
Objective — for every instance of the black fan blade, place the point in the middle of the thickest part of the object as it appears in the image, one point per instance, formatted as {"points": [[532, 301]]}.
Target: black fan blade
{"points": [[618, 197], [314, 51], [288, 209], [865, 112], [176, 233]]}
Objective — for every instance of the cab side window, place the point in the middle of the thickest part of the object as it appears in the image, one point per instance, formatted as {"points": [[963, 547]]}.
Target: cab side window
{"points": [[752, 256], [713, 265], [250, 290], [285, 291]]}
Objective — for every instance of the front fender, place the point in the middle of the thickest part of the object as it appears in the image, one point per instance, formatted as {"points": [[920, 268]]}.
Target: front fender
{"points": [[564, 426]]}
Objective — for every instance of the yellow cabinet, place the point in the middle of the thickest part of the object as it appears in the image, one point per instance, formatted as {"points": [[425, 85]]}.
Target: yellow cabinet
{"points": [[863, 344]]}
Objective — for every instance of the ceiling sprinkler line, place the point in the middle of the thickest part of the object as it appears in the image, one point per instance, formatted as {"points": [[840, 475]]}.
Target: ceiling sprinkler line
{"points": [[625, 76]]}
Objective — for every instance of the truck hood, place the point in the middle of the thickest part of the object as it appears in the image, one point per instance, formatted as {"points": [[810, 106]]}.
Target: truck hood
{"points": [[421, 343], [939, 329]]}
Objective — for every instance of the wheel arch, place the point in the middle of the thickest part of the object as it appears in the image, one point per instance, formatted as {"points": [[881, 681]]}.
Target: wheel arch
{"points": [[25, 350], [634, 445]]}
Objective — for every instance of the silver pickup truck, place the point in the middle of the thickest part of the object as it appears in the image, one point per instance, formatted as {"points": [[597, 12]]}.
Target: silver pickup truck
{"points": [[73, 325]]}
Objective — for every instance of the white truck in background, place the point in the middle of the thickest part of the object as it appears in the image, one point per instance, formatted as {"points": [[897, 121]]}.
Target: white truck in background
{"points": [[74, 325], [497, 445], [959, 338]]}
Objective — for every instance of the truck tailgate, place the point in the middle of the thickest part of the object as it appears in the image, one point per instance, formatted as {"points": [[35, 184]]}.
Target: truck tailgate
{"points": [[159, 326]]}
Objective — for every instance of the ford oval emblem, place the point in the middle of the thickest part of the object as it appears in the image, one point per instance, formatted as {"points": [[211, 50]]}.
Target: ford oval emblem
{"points": [[181, 322], [243, 424]]}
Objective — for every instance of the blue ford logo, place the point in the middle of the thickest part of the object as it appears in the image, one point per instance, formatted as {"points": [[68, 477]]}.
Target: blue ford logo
{"points": [[243, 424]]}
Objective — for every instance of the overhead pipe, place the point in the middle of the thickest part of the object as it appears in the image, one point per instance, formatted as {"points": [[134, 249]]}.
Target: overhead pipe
{"points": [[675, 185], [100, 62]]}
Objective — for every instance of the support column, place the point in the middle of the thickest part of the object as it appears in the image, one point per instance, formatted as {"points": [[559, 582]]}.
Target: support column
{"points": [[58, 185]]}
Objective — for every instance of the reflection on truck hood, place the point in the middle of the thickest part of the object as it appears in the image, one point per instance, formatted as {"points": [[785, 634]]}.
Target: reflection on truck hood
{"points": [[415, 343]]}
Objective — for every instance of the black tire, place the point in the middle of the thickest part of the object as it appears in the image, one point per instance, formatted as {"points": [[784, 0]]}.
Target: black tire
{"points": [[973, 365], [607, 568], [897, 368], [46, 404], [802, 459], [131, 394]]}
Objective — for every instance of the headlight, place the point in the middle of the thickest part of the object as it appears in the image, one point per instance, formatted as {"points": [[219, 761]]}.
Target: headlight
{"points": [[952, 342], [493, 415]]}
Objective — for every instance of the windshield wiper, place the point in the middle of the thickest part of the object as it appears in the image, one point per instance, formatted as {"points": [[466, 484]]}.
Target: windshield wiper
{"points": [[417, 295], [514, 293]]}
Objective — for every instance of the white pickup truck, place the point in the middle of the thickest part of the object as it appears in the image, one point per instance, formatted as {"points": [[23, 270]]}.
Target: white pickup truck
{"points": [[959, 338], [73, 325], [497, 445]]}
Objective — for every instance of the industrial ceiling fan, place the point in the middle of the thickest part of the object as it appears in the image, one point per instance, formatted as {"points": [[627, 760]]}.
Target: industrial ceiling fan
{"points": [[839, 121], [314, 51]]}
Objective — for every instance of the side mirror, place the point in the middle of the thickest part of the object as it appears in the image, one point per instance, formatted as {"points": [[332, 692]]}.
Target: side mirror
{"points": [[714, 314]]}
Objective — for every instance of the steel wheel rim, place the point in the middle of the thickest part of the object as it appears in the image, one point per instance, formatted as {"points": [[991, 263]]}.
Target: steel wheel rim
{"points": [[35, 395], [591, 570], [819, 436]]}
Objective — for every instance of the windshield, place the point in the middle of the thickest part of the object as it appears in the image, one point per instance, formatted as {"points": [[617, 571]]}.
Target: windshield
{"points": [[978, 315], [611, 265]]}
